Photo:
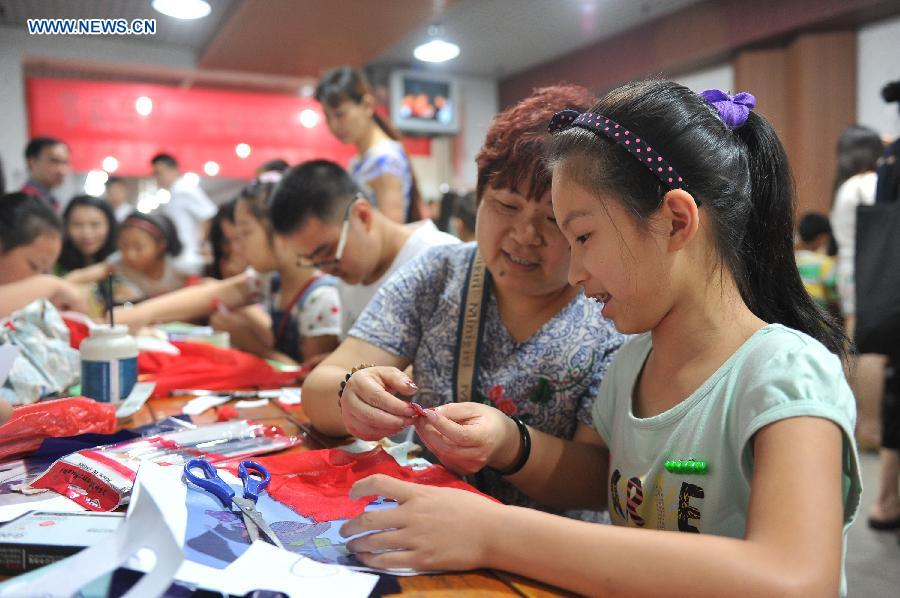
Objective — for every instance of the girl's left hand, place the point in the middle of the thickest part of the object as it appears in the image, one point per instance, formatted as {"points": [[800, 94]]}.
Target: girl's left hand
{"points": [[430, 529]]}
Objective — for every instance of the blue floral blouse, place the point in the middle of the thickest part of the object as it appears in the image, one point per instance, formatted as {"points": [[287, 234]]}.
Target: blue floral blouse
{"points": [[549, 380]]}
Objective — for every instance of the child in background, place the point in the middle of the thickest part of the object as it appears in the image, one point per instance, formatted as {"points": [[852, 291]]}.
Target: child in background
{"points": [[30, 240], [89, 227], [144, 265], [304, 313], [227, 261], [726, 417], [816, 268]]}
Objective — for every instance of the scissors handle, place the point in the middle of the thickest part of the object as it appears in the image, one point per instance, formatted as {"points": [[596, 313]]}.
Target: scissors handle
{"points": [[253, 485], [210, 481]]}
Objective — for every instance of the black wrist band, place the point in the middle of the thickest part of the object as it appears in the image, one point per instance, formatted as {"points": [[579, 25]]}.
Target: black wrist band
{"points": [[525, 444]]}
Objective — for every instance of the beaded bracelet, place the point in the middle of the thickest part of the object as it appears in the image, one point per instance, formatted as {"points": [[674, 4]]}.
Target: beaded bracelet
{"points": [[346, 379], [525, 437]]}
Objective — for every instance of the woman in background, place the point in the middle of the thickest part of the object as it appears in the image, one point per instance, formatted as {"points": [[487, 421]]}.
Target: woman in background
{"points": [[227, 260], [89, 227], [381, 167]]}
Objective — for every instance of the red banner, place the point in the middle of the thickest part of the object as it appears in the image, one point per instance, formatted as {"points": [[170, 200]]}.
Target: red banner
{"points": [[101, 119]]}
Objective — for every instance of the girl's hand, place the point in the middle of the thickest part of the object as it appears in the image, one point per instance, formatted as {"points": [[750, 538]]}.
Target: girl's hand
{"points": [[469, 436], [68, 296], [369, 409], [431, 529]]}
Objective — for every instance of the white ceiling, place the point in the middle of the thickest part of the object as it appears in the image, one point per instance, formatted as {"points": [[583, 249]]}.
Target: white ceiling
{"points": [[497, 37], [500, 37]]}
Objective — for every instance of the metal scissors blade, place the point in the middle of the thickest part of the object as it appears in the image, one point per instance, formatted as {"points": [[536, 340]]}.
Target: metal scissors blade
{"points": [[253, 519]]}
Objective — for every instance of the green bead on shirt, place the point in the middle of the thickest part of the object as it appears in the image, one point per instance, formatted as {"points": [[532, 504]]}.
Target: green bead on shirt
{"points": [[686, 466]]}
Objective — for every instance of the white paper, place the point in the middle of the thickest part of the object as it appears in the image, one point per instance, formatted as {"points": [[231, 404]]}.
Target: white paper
{"points": [[139, 394], [8, 355], [245, 404], [289, 396], [201, 404], [50, 502], [265, 567], [140, 532]]}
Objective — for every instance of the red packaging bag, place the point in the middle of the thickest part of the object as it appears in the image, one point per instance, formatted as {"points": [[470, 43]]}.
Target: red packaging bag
{"points": [[30, 424]]}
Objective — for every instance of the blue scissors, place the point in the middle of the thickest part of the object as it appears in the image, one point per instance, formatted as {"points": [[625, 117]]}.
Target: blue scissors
{"points": [[212, 483]]}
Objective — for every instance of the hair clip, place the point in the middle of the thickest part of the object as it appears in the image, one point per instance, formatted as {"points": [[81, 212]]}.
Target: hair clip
{"points": [[734, 110]]}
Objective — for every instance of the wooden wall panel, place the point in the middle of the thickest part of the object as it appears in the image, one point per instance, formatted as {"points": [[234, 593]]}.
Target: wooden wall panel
{"points": [[821, 104], [807, 90]]}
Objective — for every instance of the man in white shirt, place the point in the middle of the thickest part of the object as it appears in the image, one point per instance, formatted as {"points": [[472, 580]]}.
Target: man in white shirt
{"points": [[188, 207], [320, 212]]}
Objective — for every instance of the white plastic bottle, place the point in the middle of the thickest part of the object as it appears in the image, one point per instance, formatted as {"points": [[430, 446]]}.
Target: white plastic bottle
{"points": [[108, 364]]}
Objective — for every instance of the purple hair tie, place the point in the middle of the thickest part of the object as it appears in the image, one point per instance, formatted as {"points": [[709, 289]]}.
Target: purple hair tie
{"points": [[733, 110], [632, 141]]}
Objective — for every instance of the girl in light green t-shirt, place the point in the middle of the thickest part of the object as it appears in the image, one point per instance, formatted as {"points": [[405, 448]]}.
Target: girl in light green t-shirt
{"points": [[727, 417]]}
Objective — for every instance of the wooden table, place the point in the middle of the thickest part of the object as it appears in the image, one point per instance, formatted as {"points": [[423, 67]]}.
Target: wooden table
{"points": [[294, 422]]}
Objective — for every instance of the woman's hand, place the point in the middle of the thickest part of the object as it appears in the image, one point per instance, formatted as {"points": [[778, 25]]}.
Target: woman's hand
{"points": [[369, 409], [431, 528], [67, 296], [469, 436]]}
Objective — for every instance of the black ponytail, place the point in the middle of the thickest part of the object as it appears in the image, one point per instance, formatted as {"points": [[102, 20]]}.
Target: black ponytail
{"points": [[741, 178], [772, 287]]}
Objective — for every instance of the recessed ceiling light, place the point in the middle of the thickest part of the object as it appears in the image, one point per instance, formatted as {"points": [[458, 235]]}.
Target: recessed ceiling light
{"points": [[182, 9], [143, 105], [211, 168], [309, 118], [437, 50], [110, 164], [242, 150]]}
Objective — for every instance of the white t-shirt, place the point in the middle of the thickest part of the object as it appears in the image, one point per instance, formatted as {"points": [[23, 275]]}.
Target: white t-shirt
{"points": [[188, 208], [355, 297], [123, 211], [856, 191]]}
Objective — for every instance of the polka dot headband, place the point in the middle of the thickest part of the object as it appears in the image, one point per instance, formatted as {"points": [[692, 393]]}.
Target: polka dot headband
{"points": [[632, 141]]}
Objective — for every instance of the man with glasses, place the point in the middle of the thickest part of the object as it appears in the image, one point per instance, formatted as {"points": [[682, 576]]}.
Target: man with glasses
{"points": [[320, 212]]}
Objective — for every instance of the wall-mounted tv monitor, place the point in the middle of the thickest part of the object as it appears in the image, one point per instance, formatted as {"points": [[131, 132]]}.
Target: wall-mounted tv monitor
{"points": [[424, 103]]}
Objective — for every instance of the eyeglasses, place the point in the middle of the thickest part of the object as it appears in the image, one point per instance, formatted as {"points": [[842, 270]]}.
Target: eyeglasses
{"points": [[303, 262]]}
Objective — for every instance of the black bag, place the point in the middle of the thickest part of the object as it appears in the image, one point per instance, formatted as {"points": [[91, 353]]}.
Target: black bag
{"points": [[877, 278]]}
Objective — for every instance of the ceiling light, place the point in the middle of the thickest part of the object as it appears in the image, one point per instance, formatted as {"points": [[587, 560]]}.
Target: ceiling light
{"points": [[211, 168], [143, 105], [163, 196], [242, 150], [110, 164], [309, 118], [182, 9], [437, 50], [95, 183]]}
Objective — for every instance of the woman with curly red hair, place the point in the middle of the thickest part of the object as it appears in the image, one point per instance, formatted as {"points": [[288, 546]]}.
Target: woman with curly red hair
{"points": [[493, 321]]}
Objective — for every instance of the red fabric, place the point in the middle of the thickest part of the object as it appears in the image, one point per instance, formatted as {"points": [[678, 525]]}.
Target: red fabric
{"points": [[226, 413], [78, 331], [201, 365], [317, 484], [29, 425]]}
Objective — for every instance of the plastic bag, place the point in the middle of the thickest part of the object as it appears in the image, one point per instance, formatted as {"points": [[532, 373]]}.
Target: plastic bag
{"points": [[47, 364], [31, 424], [101, 478]]}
